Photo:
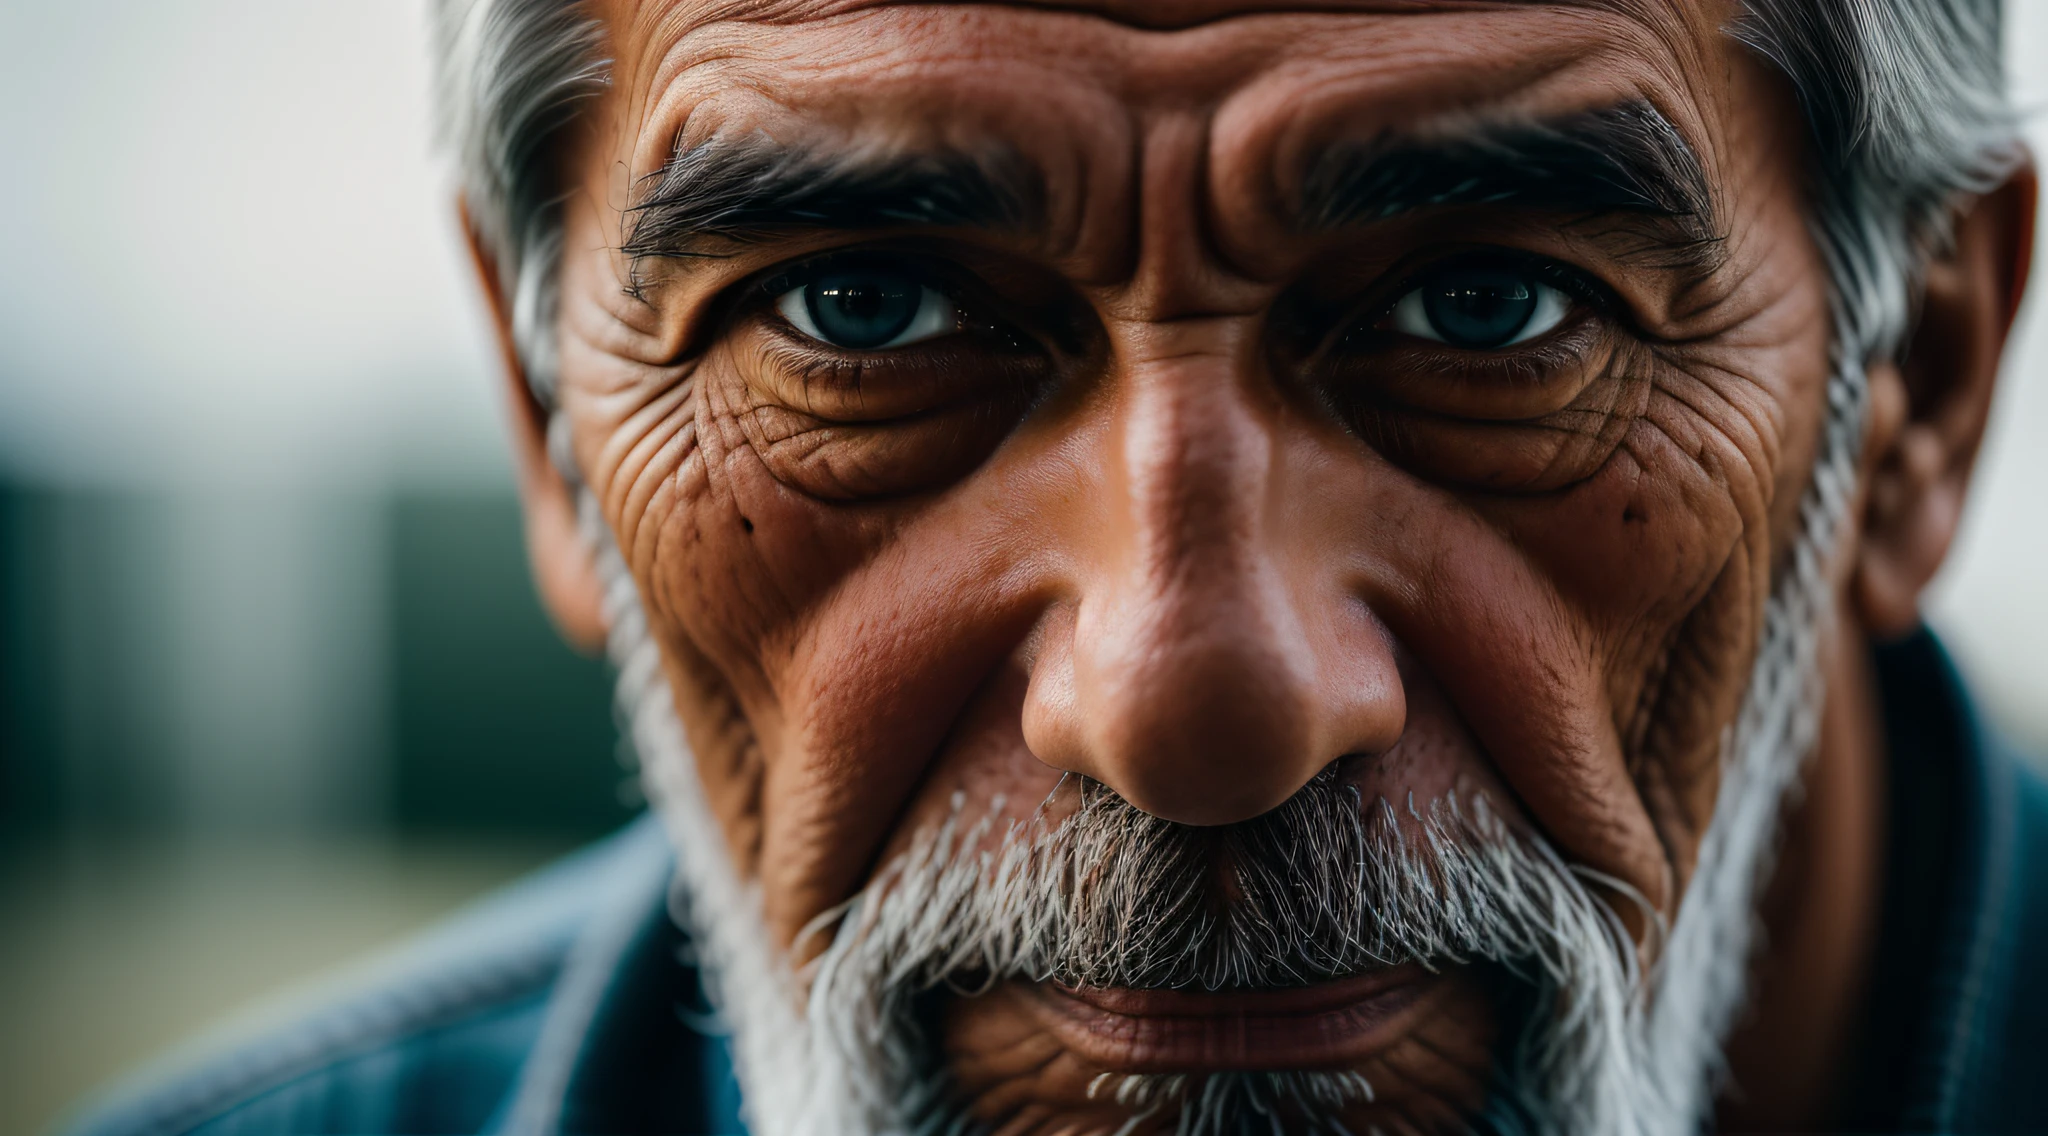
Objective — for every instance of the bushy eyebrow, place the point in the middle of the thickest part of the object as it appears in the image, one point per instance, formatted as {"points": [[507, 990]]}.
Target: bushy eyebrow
{"points": [[724, 193], [1621, 159]]}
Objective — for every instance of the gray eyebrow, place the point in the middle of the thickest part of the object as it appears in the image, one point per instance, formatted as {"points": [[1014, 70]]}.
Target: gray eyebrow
{"points": [[724, 193], [1622, 159]]}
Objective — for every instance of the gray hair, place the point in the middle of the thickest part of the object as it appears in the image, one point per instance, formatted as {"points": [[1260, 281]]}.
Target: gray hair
{"points": [[1907, 112], [1907, 107], [512, 77]]}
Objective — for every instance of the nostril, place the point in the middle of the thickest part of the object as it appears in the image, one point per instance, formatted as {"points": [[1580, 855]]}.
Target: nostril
{"points": [[1204, 714]]}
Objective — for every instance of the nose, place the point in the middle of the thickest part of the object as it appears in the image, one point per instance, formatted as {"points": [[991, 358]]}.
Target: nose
{"points": [[1210, 662]]}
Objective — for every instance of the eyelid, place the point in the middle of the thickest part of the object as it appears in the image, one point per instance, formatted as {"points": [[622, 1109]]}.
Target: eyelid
{"points": [[938, 314], [771, 285], [1571, 280], [1553, 304], [781, 290], [1574, 283]]}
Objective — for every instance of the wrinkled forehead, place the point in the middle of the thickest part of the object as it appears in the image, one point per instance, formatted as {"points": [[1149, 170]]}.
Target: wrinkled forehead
{"points": [[1091, 91]]}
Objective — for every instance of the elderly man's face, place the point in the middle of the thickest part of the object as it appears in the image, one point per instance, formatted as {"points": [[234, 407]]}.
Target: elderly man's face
{"points": [[1200, 399]]}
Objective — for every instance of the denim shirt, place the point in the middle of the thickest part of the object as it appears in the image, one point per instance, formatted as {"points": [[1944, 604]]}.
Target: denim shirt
{"points": [[565, 1003], [568, 1003]]}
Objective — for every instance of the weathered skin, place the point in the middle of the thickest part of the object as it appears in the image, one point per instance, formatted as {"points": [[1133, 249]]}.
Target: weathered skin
{"points": [[1179, 552]]}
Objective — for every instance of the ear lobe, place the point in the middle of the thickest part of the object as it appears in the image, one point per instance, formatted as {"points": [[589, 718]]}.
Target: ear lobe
{"points": [[1912, 504], [1929, 410], [564, 570]]}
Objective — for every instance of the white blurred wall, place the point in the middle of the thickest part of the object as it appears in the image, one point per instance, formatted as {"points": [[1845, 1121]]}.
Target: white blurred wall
{"points": [[228, 274], [224, 252], [232, 315], [1992, 600]]}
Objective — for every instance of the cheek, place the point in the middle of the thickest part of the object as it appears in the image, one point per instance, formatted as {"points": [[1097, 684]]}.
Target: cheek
{"points": [[1591, 642], [1667, 557], [822, 653], [725, 557], [1437, 756], [866, 434], [1516, 437], [982, 771]]}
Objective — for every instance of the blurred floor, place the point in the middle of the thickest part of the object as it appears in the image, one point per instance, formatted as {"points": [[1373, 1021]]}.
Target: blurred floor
{"points": [[111, 953]]}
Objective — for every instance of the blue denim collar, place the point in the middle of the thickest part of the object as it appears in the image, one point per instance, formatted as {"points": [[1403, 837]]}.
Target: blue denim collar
{"points": [[1960, 893], [627, 1043]]}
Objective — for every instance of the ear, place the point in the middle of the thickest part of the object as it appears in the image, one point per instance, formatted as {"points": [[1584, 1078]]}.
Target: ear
{"points": [[564, 570], [1929, 409]]}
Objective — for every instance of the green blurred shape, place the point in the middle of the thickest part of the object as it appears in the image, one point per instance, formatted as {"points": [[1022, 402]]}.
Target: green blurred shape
{"points": [[496, 724]]}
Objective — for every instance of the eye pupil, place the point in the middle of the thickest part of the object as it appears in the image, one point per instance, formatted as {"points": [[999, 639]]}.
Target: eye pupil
{"points": [[1479, 307], [862, 309]]}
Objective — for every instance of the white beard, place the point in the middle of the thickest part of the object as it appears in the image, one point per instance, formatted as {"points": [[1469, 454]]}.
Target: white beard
{"points": [[1623, 1054]]}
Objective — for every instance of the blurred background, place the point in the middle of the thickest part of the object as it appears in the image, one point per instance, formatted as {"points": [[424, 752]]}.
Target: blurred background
{"points": [[274, 688]]}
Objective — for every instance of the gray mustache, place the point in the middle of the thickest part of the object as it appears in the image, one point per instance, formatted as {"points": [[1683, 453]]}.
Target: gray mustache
{"points": [[1325, 886], [1299, 895]]}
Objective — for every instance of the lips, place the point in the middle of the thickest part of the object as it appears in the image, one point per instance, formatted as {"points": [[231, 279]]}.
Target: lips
{"points": [[1329, 1025]]}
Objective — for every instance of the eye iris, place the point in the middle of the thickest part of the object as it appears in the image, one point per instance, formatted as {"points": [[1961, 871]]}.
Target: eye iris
{"points": [[1479, 307], [862, 309]]}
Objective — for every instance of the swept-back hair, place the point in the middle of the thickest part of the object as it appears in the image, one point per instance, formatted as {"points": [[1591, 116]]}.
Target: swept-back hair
{"points": [[512, 77]]}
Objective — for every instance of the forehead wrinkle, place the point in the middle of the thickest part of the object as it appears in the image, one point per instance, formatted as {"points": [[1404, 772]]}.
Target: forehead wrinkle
{"points": [[679, 23], [1148, 15], [685, 37], [744, 68], [726, 80], [1599, 56], [673, 21]]}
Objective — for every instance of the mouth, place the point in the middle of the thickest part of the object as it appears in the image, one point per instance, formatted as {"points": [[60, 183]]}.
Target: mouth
{"points": [[1328, 1025]]}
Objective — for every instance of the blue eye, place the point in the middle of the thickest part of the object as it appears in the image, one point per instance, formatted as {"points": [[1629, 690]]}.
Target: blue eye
{"points": [[1481, 308], [867, 309]]}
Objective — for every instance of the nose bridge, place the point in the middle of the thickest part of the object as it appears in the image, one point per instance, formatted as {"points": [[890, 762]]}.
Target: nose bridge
{"points": [[1188, 679], [1195, 461]]}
